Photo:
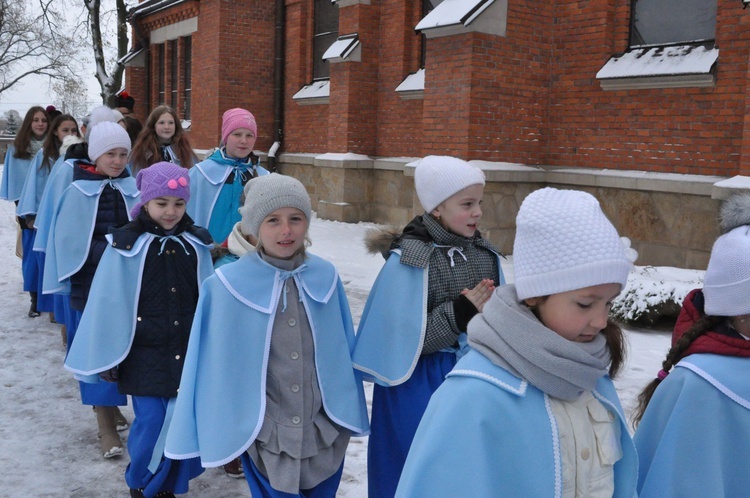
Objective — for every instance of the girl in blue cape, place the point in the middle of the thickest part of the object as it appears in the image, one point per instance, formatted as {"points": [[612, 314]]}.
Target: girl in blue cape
{"points": [[268, 375], [162, 139], [694, 432], [100, 197], [531, 409], [218, 181], [158, 262], [18, 158], [36, 179], [438, 274]]}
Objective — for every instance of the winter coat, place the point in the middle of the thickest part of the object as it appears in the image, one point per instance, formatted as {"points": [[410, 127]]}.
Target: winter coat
{"points": [[141, 308], [507, 442], [398, 309], [694, 437], [14, 175], [90, 205], [218, 418], [724, 340]]}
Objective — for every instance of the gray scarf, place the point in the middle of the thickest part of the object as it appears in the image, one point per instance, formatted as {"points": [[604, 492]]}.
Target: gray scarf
{"points": [[34, 146], [511, 336]]}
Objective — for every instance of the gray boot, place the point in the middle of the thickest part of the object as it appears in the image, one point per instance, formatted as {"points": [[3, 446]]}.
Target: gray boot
{"points": [[108, 438]]}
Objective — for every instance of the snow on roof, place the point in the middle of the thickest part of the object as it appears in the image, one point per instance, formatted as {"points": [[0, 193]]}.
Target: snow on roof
{"points": [[452, 12], [660, 61]]}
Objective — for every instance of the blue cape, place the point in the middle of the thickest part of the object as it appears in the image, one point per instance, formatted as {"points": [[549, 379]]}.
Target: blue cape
{"points": [[72, 227], [218, 417], [107, 327], [694, 438], [59, 179], [488, 433], [206, 179], [391, 332], [33, 186], [14, 175]]}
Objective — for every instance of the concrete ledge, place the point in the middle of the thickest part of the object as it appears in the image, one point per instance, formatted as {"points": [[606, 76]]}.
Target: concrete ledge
{"points": [[344, 161], [724, 189], [634, 180]]}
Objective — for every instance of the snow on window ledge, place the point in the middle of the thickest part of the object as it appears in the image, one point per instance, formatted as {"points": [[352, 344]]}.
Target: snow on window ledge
{"points": [[678, 66], [461, 16], [412, 88], [347, 3], [315, 93], [346, 47]]}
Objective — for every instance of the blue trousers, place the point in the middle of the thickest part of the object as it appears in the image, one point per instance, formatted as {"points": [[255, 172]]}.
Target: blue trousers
{"points": [[171, 475], [396, 413], [102, 393], [261, 488]]}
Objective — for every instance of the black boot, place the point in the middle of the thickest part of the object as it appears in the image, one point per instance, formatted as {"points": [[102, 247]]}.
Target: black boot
{"points": [[33, 313]]}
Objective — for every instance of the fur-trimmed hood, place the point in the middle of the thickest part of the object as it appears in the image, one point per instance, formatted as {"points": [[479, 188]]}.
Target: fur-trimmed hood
{"points": [[379, 240], [735, 212]]}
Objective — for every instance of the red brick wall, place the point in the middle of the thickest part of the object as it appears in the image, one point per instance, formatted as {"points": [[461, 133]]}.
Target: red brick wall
{"points": [[531, 96]]}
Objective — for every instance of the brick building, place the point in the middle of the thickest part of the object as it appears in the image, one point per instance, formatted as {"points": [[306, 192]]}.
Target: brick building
{"points": [[642, 103]]}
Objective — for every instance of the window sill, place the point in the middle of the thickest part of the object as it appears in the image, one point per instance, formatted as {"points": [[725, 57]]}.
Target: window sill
{"points": [[412, 88], [679, 66], [316, 93]]}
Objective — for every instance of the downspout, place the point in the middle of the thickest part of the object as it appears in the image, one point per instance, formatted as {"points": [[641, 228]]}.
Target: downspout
{"points": [[278, 85]]}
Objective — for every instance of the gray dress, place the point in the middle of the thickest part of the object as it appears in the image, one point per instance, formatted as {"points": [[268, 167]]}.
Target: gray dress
{"points": [[298, 446]]}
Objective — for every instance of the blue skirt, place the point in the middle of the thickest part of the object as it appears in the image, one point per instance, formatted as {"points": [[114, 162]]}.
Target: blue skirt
{"points": [[101, 393], [260, 487], [396, 413], [45, 302], [29, 265], [170, 475]]}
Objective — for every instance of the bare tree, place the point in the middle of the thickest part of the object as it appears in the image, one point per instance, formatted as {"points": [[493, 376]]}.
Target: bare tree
{"points": [[28, 47], [71, 95], [110, 80]]}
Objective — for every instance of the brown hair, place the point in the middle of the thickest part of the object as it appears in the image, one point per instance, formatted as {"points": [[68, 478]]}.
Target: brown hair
{"points": [[23, 136], [147, 149], [700, 327], [52, 143]]}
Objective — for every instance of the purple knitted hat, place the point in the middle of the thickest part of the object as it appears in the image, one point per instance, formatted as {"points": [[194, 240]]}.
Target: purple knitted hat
{"points": [[237, 118], [161, 180]]}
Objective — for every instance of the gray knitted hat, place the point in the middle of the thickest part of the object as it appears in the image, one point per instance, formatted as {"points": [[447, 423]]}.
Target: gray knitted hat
{"points": [[565, 242], [265, 194]]}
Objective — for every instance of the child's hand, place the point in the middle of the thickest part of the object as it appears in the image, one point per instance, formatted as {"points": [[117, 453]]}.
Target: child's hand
{"points": [[480, 293], [109, 375]]}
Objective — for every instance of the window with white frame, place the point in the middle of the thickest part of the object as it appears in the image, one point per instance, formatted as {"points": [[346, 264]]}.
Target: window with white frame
{"points": [[326, 32], [668, 22]]}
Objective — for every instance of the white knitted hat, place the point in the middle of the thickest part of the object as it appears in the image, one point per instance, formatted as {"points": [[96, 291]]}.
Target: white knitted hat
{"points": [[437, 178], [106, 136], [565, 242], [265, 194], [726, 285], [98, 114]]}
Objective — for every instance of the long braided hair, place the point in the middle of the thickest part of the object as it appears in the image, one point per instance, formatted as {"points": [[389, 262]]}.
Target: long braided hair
{"points": [[704, 324]]}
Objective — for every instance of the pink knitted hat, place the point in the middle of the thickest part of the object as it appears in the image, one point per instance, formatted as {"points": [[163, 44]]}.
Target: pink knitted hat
{"points": [[237, 118], [161, 180]]}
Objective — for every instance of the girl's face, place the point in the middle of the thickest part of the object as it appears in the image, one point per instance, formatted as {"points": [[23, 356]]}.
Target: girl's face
{"points": [[164, 128], [66, 128], [39, 125], [282, 233], [240, 143], [577, 315], [461, 212], [167, 211], [112, 163]]}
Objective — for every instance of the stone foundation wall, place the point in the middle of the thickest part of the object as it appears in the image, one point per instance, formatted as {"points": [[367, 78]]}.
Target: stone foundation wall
{"points": [[671, 219]]}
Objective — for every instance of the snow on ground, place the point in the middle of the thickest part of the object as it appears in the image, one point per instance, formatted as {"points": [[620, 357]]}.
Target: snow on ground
{"points": [[48, 444]]}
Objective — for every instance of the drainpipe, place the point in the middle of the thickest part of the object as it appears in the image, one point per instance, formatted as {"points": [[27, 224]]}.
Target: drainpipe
{"points": [[278, 85]]}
